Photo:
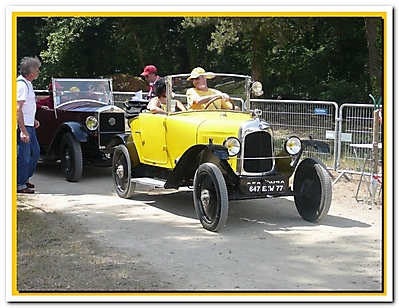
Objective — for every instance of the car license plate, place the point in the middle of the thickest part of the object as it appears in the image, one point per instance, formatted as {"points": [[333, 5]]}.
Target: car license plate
{"points": [[267, 186]]}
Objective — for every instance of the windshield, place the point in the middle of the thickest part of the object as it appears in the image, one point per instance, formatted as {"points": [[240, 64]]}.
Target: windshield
{"points": [[67, 90], [234, 85]]}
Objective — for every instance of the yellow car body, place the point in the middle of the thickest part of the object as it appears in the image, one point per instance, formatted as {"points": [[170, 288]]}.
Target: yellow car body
{"points": [[161, 140]]}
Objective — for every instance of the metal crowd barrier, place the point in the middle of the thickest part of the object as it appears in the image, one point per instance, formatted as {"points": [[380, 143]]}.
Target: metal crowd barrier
{"points": [[305, 119], [356, 131], [349, 130]]}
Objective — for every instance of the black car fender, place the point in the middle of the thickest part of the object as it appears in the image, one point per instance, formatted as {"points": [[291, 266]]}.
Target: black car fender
{"points": [[117, 140], [319, 145], [284, 164], [75, 128], [127, 140], [185, 169]]}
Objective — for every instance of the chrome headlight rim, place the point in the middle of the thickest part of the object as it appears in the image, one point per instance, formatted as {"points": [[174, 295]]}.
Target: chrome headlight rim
{"points": [[233, 146], [293, 145], [91, 123], [257, 88]]}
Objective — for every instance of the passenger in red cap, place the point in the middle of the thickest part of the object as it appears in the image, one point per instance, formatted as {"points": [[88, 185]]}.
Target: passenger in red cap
{"points": [[48, 102], [150, 73]]}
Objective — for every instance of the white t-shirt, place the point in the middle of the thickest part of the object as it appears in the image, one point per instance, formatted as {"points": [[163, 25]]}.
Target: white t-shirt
{"points": [[25, 93]]}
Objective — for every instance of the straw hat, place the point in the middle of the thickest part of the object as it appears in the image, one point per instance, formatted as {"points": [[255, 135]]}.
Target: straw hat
{"points": [[74, 89], [199, 71]]}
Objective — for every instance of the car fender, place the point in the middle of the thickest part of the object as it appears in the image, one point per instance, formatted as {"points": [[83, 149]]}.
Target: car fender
{"points": [[185, 169], [285, 164], [117, 140], [75, 128], [127, 140], [320, 146], [78, 131]]}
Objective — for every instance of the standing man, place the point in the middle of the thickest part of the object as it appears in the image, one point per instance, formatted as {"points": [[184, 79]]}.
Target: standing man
{"points": [[28, 146], [150, 74]]}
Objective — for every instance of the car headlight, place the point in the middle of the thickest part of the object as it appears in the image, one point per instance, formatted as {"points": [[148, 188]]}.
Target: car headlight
{"points": [[91, 123], [233, 146], [257, 88], [293, 145]]}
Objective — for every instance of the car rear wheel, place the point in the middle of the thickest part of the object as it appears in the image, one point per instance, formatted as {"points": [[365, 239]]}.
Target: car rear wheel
{"points": [[313, 190], [210, 197], [71, 158], [122, 172]]}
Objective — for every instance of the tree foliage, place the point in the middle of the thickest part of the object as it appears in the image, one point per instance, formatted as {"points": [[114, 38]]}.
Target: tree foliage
{"points": [[321, 58], [300, 58]]}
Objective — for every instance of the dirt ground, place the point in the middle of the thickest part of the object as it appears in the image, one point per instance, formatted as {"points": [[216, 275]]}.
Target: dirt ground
{"points": [[81, 237]]}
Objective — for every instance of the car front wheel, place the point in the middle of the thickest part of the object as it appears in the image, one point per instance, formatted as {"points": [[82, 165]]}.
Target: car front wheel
{"points": [[122, 172], [313, 190], [71, 158], [210, 197]]}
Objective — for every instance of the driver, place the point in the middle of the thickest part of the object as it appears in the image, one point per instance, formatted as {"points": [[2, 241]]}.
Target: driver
{"points": [[200, 95]]}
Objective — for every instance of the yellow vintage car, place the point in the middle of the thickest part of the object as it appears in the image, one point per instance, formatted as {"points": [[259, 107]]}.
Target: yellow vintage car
{"points": [[221, 154]]}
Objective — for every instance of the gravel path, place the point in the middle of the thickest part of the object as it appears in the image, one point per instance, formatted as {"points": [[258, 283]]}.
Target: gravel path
{"points": [[81, 236]]}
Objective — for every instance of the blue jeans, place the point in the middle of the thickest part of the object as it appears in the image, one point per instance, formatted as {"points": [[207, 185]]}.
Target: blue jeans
{"points": [[28, 157]]}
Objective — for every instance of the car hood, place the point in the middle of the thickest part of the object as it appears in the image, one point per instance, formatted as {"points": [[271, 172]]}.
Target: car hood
{"points": [[213, 125], [227, 123]]}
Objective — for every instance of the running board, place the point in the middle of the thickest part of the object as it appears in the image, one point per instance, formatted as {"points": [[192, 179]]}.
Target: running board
{"points": [[149, 182]]}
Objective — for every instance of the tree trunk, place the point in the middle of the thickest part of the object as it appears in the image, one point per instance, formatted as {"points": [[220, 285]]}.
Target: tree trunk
{"points": [[374, 59], [139, 49]]}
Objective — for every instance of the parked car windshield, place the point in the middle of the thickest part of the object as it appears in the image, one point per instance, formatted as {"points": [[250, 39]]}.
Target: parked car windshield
{"points": [[68, 90]]}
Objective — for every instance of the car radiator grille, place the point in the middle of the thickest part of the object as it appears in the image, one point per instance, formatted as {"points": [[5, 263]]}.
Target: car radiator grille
{"points": [[109, 127], [258, 146]]}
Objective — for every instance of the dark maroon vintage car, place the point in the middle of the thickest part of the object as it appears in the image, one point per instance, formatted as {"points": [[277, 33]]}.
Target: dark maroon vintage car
{"points": [[78, 123]]}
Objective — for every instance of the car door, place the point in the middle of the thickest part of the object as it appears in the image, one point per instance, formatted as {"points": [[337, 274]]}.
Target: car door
{"points": [[48, 125], [153, 141]]}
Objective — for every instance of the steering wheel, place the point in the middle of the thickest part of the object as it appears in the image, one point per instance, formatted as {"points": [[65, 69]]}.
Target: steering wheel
{"points": [[215, 98]]}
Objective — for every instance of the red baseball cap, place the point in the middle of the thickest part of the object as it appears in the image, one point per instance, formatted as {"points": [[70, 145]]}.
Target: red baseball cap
{"points": [[148, 70]]}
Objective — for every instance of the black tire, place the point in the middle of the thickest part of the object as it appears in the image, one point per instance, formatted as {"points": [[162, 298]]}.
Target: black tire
{"points": [[210, 197], [122, 172], [313, 188], [71, 158]]}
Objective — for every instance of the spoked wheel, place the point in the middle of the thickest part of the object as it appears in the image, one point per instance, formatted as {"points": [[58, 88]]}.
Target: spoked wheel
{"points": [[313, 190], [122, 172], [71, 158], [210, 197]]}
